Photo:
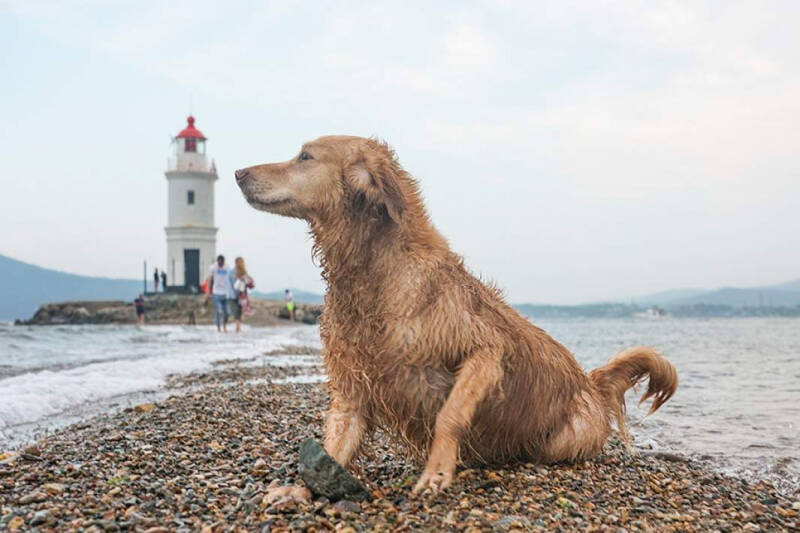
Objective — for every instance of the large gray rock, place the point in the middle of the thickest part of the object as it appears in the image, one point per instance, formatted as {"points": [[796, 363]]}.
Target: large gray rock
{"points": [[325, 477]]}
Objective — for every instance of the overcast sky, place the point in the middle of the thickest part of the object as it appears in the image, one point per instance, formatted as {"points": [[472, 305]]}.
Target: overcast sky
{"points": [[571, 153]]}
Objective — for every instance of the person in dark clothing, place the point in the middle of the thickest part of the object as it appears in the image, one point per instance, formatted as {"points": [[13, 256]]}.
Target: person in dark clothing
{"points": [[155, 280], [139, 303], [163, 281]]}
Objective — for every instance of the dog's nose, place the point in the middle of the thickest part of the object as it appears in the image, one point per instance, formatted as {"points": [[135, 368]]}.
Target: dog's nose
{"points": [[241, 174]]}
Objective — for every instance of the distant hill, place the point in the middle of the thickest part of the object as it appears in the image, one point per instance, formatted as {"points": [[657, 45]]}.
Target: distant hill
{"points": [[793, 285], [299, 295], [782, 299], [24, 287], [666, 297], [598, 310], [735, 297], [779, 295]]}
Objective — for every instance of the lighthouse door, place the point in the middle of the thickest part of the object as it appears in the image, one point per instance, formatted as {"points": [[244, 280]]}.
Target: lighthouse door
{"points": [[191, 269]]}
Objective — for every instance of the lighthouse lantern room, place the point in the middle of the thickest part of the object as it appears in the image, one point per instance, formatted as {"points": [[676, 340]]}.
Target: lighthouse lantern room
{"points": [[191, 234]]}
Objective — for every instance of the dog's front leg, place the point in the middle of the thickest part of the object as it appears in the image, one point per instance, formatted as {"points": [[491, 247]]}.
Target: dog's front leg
{"points": [[344, 430], [474, 381]]}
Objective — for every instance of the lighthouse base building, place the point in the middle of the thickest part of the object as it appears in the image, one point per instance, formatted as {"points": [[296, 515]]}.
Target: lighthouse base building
{"points": [[191, 234], [189, 253]]}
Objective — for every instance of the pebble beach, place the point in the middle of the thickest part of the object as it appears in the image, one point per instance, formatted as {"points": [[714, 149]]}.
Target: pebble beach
{"points": [[210, 456]]}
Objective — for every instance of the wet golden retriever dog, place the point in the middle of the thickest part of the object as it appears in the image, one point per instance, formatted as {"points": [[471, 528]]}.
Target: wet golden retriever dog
{"points": [[416, 345]]}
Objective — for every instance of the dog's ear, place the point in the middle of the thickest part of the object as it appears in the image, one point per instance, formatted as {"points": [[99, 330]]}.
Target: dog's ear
{"points": [[374, 171]]}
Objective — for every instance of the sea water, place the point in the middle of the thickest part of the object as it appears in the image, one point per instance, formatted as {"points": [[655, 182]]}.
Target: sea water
{"points": [[737, 407], [53, 375]]}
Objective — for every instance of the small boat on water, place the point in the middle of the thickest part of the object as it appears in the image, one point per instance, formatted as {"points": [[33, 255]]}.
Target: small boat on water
{"points": [[652, 313]]}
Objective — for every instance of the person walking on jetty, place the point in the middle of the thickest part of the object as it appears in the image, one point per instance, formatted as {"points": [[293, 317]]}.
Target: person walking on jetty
{"points": [[155, 280], [163, 280], [289, 299], [139, 304], [220, 283], [241, 303]]}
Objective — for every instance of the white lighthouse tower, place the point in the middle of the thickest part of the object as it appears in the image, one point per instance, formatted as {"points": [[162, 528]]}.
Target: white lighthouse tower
{"points": [[191, 234]]}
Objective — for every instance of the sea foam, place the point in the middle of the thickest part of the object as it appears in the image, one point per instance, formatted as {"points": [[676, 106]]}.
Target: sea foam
{"points": [[50, 371]]}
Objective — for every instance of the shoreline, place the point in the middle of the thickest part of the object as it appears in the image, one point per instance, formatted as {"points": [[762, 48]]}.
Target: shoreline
{"points": [[204, 455], [285, 364]]}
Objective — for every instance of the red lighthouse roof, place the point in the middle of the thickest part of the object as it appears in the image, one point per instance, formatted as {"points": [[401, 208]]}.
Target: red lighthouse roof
{"points": [[190, 132]]}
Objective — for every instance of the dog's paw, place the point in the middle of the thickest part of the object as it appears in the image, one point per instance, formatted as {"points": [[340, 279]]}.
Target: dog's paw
{"points": [[433, 481]]}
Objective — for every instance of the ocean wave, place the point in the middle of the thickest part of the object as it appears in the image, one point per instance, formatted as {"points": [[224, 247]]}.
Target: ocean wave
{"points": [[104, 368]]}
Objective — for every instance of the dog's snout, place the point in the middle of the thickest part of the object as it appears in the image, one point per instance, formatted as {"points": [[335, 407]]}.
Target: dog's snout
{"points": [[241, 174]]}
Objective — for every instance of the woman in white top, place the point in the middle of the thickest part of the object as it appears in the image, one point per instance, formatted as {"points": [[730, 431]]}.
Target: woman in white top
{"points": [[242, 284]]}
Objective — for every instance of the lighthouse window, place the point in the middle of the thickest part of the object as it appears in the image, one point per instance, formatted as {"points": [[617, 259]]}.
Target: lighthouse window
{"points": [[190, 198], [191, 145]]}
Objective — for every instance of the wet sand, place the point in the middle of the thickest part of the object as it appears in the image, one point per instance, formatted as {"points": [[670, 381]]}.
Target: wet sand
{"points": [[203, 459]]}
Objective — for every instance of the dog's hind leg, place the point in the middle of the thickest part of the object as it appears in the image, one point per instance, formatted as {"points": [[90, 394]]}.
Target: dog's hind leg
{"points": [[344, 430], [475, 380]]}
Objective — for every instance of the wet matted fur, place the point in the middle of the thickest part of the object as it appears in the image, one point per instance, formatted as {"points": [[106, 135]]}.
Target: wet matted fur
{"points": [[416, 345]]}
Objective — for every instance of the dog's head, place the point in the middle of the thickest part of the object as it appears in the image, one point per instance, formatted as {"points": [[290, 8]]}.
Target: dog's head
{"points": [[330, 177]]}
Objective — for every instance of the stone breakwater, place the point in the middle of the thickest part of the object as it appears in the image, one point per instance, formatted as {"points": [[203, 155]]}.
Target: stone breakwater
{"points": [[165, 309], [224, 457]]}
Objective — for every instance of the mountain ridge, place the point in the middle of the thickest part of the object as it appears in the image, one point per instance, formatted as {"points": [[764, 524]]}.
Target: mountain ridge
{"points": [[775, 295], [25, 287]]}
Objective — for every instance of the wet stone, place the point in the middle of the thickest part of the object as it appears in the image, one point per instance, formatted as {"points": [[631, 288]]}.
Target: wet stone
{"points": [[325, 477], [33, 450], [53, 488], [41, 517], [511, 522], [347, 506], [33, 497], [15, 523]]}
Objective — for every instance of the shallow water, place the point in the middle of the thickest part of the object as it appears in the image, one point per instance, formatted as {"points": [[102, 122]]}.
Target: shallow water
{"points": [[52, 375], [738, 403], [737, 406]]}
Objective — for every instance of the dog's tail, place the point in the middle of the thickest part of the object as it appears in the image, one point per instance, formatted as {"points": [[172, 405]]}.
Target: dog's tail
{"points": [[628, 368]]}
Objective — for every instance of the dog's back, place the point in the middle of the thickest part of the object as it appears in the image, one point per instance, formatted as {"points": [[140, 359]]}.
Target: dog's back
{"points": [[398, 345]]}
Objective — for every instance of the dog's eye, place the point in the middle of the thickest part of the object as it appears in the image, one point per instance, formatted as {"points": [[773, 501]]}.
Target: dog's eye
{"points": [[304, 156]]}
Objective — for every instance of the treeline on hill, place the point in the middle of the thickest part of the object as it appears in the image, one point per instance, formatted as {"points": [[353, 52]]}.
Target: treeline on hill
{"points": [[619, 310]]}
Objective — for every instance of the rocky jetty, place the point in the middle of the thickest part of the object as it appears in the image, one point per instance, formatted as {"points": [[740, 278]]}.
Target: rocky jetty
{"points": [[165, 309]]}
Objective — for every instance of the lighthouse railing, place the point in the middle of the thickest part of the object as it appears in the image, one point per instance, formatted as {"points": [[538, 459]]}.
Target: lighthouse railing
{"points": [[189, 163]]}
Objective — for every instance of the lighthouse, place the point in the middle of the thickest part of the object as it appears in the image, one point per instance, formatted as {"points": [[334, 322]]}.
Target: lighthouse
{"points": [[191, 234]]}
